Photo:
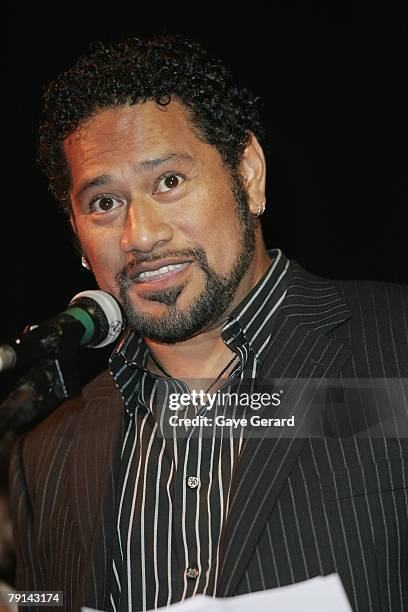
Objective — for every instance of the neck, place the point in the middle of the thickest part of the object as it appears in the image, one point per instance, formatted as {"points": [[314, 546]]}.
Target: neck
{"points": [[203, 356]]}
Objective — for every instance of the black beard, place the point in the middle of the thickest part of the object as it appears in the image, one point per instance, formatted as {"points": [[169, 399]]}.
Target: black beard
{"points": [[168, 296], [208, 307]]}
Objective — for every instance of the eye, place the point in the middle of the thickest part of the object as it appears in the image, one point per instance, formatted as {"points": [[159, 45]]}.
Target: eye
{"points": [[104, 204], [169, 182]]}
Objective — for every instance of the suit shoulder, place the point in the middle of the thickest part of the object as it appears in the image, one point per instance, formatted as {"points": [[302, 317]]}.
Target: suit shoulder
{"points": [[370, 288], [387, 302], [378, 328], [352, 290], [371, 317]]}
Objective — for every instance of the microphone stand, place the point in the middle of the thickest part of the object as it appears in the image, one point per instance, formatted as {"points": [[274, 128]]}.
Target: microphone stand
{"points": [[45, 386], [49, 382]]}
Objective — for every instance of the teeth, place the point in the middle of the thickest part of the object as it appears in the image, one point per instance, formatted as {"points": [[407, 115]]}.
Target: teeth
{"points": [[163, 270]]}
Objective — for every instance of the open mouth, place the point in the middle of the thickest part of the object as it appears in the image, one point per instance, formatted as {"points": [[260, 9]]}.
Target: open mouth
{"points": [[167, 272]]}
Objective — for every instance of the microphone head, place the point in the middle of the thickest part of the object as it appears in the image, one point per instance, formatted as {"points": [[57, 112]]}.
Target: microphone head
{"points": [[106, 315]]}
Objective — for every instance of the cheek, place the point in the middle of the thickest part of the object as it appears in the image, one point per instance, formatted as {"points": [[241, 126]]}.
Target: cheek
{"points": [[215, 229], [211, 215], [97, 242], [103, 252]]}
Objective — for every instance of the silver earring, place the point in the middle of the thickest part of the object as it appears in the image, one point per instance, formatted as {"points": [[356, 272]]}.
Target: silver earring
{"points": [[85, 263], [261, 210]]}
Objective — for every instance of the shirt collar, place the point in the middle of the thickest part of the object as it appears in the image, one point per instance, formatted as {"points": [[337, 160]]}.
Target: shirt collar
{"points": [[251, 322]]}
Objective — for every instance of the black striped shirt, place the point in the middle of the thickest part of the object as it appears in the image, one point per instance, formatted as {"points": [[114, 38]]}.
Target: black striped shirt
{"points": [[174, 491]]}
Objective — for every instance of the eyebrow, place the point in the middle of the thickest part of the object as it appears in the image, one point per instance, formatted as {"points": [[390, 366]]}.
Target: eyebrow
{"points": [[143, 166]]}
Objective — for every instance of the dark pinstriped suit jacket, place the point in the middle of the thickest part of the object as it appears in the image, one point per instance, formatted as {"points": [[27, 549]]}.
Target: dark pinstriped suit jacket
{"points": [[300, 507]]}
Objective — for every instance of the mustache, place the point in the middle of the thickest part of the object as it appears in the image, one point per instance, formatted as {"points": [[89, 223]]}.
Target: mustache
{"points": [[124, 276]]}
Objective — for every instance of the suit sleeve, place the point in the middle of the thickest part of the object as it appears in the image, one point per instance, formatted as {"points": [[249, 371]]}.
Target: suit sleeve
{"points": [[27, 578]]}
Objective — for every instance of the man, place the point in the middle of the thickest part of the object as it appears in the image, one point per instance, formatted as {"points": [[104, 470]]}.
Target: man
{"points": [[154, 152]]}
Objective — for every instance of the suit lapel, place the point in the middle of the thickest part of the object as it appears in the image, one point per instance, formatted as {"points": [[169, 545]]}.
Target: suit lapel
{"points": [[297, 354], [94, 464]]}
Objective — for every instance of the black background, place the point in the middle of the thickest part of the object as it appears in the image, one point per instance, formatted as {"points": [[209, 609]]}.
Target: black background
{"points": [[332, 78]]}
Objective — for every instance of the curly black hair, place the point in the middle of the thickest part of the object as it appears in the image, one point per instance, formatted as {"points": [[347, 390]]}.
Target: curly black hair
{"points": [[137, 70]]}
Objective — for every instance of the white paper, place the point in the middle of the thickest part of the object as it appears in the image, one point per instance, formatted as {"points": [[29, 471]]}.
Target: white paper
{"points": [[316, 595]]}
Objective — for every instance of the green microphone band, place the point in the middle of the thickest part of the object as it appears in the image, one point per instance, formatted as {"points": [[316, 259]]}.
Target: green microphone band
{"points": [[83, 317]]}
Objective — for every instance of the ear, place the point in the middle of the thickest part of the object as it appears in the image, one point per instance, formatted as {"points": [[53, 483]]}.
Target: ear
{"points": [[253, 171]]}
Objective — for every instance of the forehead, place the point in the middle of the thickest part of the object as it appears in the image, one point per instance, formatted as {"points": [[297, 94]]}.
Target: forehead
{"points": [[141, 129]]}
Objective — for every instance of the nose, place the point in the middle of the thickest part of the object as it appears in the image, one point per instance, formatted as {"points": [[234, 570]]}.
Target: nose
{"points": [[146, 227]]}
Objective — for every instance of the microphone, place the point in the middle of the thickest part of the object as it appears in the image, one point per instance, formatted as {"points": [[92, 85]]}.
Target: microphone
{"points": [[93, 319]]}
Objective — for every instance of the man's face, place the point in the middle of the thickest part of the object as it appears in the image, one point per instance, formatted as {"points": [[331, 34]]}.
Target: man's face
{"points": [[164, 226]]}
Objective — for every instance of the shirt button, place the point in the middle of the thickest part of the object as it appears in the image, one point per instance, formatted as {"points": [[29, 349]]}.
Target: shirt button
{"points": [[192, 572], [193, 482]]}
